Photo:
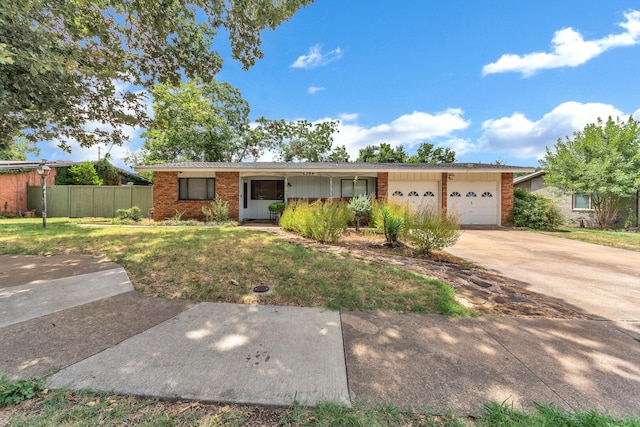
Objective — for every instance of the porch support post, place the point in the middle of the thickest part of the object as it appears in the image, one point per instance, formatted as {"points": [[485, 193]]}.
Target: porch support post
{"points": [[286, 189], [331, 187]]}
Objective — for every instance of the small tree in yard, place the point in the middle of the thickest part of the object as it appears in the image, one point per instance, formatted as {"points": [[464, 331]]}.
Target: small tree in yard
{"points": [[361, 208], [430, 229], [601, 161]]}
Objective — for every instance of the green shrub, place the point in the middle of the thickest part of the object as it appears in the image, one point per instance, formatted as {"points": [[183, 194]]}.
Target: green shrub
{"points": [[361, 208], [534, 211], [322, 221], [218, 211], [430, 229], [134, 213], [83, 174], [277, 207], [392, 225], [13, 392]]}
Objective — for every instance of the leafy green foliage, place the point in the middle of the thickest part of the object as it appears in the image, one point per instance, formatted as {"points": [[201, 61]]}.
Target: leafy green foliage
{"points": [[15, 391], [217, 211], [603, 161], [83, 174], [18, 148], [107, 172], [322, 221], [298, 140], [277, 207], [134, 213], [534, 211], [361, 208], [68, 64], [430, 229], [424, 154], [197, 121]]}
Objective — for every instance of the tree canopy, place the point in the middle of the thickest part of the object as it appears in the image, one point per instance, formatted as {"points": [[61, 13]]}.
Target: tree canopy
{"points": [[602, 161], [209, 122], [424, 154], [67, 67], [18, 150]]}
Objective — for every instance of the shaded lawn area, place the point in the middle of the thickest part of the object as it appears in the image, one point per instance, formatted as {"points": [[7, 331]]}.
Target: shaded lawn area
{"points": [[224, 264], [614, 239]]}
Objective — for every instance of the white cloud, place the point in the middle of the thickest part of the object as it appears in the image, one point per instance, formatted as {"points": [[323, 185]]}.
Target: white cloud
{"points": [[348, 117], [408, 130], [312, 90], [524, 138], [569, 50], [315, 58]]}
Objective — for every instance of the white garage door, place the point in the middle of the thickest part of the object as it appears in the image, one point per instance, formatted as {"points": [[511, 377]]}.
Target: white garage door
{"points": [[475, 201], [416, 193]]}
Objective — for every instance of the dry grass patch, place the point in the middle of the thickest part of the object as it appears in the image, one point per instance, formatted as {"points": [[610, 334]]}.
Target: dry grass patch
{"points": [[224, 264]]}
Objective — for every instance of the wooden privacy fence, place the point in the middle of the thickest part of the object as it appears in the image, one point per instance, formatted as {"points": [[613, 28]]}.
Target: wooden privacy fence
{"points": [[76, 201]]}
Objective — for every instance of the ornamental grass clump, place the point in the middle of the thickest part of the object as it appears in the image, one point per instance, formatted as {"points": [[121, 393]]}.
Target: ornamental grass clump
{"points": [[322, 221], [430, 229]]}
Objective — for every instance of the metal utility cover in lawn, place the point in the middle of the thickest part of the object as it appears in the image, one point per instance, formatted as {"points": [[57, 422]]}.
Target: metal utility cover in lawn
{"points": [[227, 353]]}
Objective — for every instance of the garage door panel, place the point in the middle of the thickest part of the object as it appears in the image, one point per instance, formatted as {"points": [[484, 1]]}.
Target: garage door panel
{"points": [[476, 202], [416, 193]]}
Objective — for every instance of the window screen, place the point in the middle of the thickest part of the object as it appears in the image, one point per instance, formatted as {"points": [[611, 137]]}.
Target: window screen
{"points": [[197, 189], [347, 187], [268, 189]]}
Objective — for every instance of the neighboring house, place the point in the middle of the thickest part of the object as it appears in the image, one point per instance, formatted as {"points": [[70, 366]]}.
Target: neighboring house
{"points": [[479, 193], [16, 177], [574, 207]]}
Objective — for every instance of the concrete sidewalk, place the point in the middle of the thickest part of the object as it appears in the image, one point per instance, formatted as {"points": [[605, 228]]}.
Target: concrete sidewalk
{"points": [[121, 341]]}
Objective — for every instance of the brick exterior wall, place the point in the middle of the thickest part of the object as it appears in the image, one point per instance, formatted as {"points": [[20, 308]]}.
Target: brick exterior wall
{"points": [[507, 197], [166, 202], [13, 189], [228, 188], [443, 191], [382, 186]]}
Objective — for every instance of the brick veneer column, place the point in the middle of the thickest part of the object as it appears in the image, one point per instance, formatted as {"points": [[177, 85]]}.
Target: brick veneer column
{"points": [[507, 197], [443, 191], [228, 188], [382, 186], [165, 195]]}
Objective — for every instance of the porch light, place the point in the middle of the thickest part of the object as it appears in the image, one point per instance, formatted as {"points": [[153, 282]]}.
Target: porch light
{"points": [[43, 171]]}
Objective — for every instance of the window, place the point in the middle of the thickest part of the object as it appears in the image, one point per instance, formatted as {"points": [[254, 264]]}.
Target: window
{"points": [[196, 188], [347, 187], [413, 194], [582, 202], [455, 194], [429, 194], [487, 194], [397, 193], [471, 194], [268, 189]]}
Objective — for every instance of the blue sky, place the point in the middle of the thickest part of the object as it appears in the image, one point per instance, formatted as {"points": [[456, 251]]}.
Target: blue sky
{"points": [[492, 80]]}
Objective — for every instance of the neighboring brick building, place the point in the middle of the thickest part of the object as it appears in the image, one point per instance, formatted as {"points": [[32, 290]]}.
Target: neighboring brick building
{"points": [[480, 194], [15, 177]]}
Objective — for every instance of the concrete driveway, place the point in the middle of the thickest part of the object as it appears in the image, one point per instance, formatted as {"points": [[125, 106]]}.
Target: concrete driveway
{"points": [[601, 282]]}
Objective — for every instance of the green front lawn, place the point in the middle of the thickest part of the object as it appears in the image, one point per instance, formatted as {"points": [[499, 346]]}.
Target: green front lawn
{"points": [[224, 264], [614, 239]]}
